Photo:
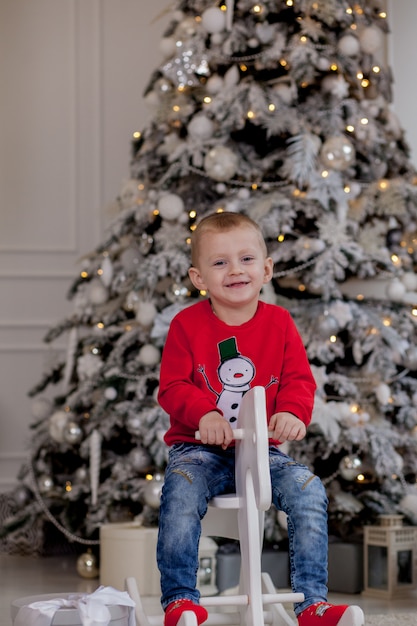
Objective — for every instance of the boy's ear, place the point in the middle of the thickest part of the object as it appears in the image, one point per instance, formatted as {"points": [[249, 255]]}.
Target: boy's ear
{"points": [[196, 278], [269, 269]]}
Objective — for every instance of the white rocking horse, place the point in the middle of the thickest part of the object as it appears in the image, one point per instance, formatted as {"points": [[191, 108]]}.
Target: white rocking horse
{"points": [[240, 516]]}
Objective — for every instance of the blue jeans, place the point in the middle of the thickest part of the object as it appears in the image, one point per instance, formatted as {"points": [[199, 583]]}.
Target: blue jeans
{"points": [[197, 473]]}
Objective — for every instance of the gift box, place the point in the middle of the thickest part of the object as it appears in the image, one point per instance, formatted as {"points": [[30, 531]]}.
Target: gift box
{"points": [[128, 549], [105, 605]]}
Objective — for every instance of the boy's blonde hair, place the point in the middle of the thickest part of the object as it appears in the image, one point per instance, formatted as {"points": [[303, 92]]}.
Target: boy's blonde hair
{"points": [[222, 222]]}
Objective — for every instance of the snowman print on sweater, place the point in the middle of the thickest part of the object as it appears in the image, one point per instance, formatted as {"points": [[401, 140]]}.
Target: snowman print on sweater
{"points": [[235, 373]]}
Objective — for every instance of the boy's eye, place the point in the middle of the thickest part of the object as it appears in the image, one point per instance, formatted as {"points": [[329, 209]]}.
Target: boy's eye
{"points": [[219, 263], [247, 259]]}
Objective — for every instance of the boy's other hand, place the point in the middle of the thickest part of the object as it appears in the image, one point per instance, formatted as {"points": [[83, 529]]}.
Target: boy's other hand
{"points": [[286, 427], [215, 430]]}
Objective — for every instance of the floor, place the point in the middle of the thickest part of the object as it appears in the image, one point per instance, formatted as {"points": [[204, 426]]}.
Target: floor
{"points": [[28, 576]]}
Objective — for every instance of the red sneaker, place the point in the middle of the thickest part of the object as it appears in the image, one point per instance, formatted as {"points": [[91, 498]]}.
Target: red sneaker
{"points": [[324, 614], [174, 611]]}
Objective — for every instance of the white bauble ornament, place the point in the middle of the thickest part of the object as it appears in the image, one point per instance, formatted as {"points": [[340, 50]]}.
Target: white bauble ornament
{"points": [[140, 459], [57, 424], [87, 565], [410, 360], [170, 206], [97, 293], [350, 467], [73, 433], [22, 495], [285, 92], [45, 483], [146, 313], [213, 20], [337, 153], [177, 292], [323, 64], [167, 46], [130, 258], [221, 163], [151, 492], [383, 393], [214, 84], [149, 355], [232, 77], [243, 193], [81, 475], [200, 128], [217, 38], [41, 407], [110, 393], [348, 45], [409, 280], [106, 274], [371, 39], [395, 290]]}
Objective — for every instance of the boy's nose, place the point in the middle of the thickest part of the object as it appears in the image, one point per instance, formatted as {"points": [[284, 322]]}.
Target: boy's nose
{"points": [[235, 267]]}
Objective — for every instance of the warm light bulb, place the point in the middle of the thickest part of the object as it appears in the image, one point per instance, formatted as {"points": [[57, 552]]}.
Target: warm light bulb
{"points": [[137, 135]]}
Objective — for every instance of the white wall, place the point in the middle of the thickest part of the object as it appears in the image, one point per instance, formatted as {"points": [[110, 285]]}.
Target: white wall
{"points": [[402, 57], [72, 74]]}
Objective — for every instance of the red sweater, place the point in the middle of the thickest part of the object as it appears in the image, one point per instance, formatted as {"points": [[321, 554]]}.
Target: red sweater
{"points": [[208, 366]]}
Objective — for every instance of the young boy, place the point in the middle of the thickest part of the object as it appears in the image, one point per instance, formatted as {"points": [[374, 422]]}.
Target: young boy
{"points": [[215, 351]]}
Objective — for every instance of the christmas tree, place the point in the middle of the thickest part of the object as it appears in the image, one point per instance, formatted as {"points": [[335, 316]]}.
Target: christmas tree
{"points": [[279, 109]]}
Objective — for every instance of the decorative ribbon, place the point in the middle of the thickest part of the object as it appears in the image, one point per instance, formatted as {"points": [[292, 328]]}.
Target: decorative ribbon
{"points": [[91, 607]]}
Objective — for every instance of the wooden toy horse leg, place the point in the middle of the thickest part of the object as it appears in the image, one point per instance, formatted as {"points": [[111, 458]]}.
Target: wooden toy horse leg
{"points": [[133, 591], [251, 584], [279, 614], [188, 618]]}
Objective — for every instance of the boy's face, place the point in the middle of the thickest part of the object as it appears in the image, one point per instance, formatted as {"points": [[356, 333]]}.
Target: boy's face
{"points": [[232, 267]]}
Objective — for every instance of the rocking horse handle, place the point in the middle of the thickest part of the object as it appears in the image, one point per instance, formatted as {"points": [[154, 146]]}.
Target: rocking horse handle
{"points": [[238, 433]]}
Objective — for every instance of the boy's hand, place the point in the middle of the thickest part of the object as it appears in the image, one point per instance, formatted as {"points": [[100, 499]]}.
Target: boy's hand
{"points": [[286, 427], [215, 430]]}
